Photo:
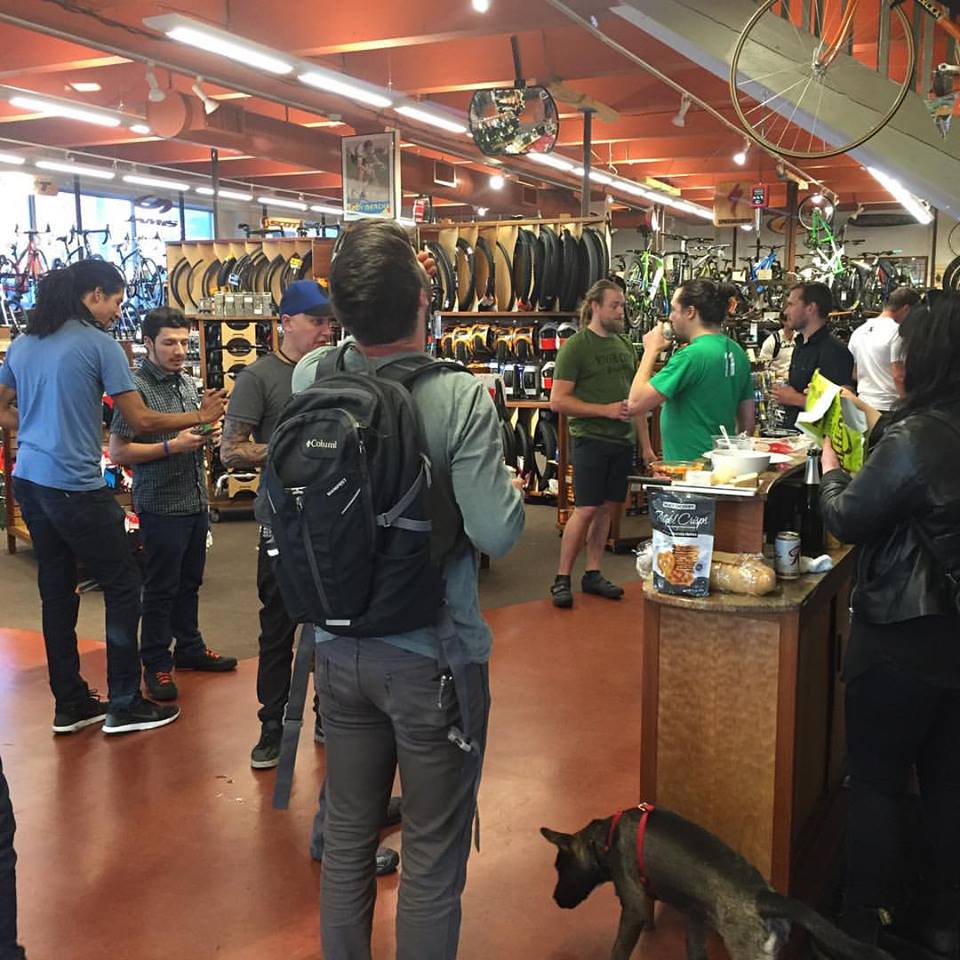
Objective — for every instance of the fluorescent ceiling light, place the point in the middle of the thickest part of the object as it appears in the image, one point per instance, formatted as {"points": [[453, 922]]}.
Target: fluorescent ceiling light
{"points": [[226, 45], [435, 120], [345, 87], [160, 182], [600, 177], [551, 160], [16, 180], [224, 194], [12, 158], [76, 169], [913, 205], [85, 86], [481, 6], [286, 204], [320, 208], [55, 108], [141, 128]]}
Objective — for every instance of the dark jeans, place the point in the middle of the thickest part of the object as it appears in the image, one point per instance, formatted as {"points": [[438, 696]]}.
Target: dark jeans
{"points": [[175, 551], [68, 527], [380, 710], [8, 877], [896, 721], [276, 642]]}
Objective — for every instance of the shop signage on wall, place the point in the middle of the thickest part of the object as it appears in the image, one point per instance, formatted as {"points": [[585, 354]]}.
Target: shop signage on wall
{"points": [[732, 203], [371, 175]]}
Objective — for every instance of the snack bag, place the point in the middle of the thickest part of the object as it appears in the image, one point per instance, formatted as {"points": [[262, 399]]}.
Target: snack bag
{"points": [[828, 415], [683, 527]]}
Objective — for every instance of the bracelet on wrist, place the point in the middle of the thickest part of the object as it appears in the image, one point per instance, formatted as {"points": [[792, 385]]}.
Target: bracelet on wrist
{"points": [[166, 448]]}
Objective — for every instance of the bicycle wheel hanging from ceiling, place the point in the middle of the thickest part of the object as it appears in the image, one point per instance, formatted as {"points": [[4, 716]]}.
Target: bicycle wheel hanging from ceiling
{"points": [[814, 80]]}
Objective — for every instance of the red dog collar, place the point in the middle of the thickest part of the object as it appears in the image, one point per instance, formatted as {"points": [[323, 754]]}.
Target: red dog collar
{"points": [[645, 810]]}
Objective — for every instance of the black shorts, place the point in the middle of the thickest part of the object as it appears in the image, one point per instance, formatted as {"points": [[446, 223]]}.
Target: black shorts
{"points": [[600, 470]]}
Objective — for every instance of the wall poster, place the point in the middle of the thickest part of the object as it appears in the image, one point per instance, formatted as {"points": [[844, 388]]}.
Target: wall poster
{"points": [[371, 175]]}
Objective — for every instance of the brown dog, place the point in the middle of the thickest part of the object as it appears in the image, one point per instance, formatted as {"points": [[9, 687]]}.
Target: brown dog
{"points": [[653, 854]]}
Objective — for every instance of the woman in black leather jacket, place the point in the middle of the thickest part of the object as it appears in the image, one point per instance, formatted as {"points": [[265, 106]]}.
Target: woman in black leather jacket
{"points": [[902, 668]]}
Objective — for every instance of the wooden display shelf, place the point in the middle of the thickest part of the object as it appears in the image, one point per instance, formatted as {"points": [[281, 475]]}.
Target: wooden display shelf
{"points": [[220, 318], [509, 314], [542, 221]]}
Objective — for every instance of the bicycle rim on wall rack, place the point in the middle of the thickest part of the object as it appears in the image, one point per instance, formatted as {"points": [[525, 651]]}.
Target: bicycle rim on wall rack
{"points": [[794, 64]]}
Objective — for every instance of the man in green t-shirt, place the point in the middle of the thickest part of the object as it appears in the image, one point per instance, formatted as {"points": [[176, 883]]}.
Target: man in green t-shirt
{"points": [[590, 385], [705, 384]]}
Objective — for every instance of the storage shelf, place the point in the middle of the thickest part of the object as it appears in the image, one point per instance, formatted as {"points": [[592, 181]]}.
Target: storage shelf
{"points": [[253, 318], [514, 314]]}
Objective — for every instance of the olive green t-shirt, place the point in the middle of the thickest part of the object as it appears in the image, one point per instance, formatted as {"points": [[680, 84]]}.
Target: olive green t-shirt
{"points": [[704, 383], [602, 369]]}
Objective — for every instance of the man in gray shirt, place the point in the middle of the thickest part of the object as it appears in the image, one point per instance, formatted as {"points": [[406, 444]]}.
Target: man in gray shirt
{"points": [[398, 700], [260, 394]]}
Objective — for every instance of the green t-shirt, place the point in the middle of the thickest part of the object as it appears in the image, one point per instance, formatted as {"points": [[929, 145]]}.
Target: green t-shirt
{"points": [[602, 369], [704, 383]]}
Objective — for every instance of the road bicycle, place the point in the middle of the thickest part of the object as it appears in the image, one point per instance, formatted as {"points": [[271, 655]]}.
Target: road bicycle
{"points": [[762, 285], [82, 249], [798, 76], [879, 276], [22, 270], [830, 264]]}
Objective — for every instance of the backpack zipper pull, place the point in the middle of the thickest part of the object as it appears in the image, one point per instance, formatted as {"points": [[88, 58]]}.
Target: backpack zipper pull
{"points": [[444, 680]]}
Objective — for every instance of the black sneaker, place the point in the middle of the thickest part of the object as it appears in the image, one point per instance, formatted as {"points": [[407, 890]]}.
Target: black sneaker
{"points": [[596, 583], [210, 662], [160, 684], [266, 753], [71, 717], [394, 812], [561, 593], [140, 715], [318, 735], [387, 861]]}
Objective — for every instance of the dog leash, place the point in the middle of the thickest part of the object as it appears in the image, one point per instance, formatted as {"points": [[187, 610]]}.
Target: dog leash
{"points": [[645, 810]]}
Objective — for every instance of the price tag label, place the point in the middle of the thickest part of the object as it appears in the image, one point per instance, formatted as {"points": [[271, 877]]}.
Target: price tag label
{"points": [[739, 276], [295, 263], [765, 274]]}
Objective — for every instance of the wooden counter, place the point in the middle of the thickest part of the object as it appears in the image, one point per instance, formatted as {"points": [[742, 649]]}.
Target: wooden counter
{"points": [[742, 718]]}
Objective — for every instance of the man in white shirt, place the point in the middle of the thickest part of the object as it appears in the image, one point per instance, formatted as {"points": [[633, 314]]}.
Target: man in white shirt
{"points": [[876, 346], [777, 350]]}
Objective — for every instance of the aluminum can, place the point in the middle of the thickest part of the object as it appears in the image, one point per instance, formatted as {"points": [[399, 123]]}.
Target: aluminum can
{"points": [[787, 555]]}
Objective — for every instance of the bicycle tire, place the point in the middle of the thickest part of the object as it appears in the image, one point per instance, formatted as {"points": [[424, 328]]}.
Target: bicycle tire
{"points": [[524, 443], [509, 265], [570, 271], [595, 238], [466, 276], [807, 206], [548, 245], [206, 284], [546, 450], [833, 151], [951, 275], [193, 277], [486, 276], [523, 268], [273, 277], [261, 263], [508, 441], [174, 281], [306, 266], [226, 268]]}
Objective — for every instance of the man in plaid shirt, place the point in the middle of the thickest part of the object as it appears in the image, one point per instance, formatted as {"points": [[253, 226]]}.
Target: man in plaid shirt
{"points": [[170, 497]]}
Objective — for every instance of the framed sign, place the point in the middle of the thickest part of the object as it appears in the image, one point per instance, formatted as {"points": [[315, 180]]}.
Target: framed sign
{"points": [[913, 267], [371, 175]]}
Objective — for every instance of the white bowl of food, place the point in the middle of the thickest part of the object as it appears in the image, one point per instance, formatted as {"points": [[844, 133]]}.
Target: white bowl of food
{"points": [[740, 461]]}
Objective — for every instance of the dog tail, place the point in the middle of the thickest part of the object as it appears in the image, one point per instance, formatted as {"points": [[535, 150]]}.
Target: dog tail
{"points": [[832, 941]]}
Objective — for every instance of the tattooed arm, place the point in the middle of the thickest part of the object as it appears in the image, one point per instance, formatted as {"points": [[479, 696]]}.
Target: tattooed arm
{"points": [[237, 450]]}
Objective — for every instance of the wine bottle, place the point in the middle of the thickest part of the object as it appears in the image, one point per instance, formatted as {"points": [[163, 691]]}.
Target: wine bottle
{"points": [[811, 520]]}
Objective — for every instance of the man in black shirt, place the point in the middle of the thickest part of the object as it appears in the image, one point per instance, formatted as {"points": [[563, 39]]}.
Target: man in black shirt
{"points": [[807, 310]]}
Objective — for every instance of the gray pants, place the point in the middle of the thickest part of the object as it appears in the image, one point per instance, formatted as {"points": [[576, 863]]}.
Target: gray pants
{"points": [[383, 707]]}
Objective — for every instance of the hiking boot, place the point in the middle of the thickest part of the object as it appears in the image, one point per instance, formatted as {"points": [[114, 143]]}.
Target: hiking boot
{"points": [[266, 753], [140, 715], [71, 717], [394, 812], [596, 583], [318, 735], [160, 685], [209, 661], [387, 861], [561, 592]]}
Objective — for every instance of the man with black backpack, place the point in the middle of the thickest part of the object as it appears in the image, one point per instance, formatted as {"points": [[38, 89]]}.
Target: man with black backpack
{"points": [[385, 479]]}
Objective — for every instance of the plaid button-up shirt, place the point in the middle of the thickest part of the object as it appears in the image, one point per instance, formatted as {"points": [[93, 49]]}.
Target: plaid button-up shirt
{"points": [[174, 485]]}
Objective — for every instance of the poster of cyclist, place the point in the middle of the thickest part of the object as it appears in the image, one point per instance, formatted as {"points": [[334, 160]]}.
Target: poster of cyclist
{"points": [[371, 175]]}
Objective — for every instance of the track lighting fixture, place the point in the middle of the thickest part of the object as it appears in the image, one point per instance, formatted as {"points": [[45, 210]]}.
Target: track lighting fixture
{"points": [[209, 105], [680, 120], [156, 95]]}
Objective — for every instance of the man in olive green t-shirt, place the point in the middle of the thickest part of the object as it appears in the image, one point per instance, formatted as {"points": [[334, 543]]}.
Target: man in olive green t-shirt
{"points": [[590, 385], [705, 384]]}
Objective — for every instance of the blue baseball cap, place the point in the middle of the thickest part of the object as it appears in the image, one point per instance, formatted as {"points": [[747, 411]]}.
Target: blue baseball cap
{"points": [[305, 296]]}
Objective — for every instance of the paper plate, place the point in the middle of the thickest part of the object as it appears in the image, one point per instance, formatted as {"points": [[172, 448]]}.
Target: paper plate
{"points": [[774, 457]]}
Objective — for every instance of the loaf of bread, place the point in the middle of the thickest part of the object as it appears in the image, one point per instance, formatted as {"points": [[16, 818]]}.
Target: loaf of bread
{"points": [[742, 573]]}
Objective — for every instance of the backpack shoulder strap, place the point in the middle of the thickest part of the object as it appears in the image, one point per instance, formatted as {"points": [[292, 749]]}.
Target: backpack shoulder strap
{"points": [[777, 344], [335, 361], [408, 370]]}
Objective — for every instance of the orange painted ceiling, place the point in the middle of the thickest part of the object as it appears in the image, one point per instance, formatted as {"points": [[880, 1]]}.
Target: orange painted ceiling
{"points": [[278, 134]]}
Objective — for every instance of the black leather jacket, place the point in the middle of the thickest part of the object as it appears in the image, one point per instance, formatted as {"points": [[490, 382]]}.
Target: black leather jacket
{"points": [[911, 476]]}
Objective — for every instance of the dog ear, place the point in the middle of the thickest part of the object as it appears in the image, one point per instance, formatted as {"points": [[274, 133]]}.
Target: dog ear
{"points": [[561, 840]]}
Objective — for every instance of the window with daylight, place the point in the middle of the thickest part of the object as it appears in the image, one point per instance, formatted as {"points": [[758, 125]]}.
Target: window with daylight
{"points": [[15, 210]]}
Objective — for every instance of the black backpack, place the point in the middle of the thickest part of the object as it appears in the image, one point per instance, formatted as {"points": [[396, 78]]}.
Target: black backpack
{"points": [[360, 528]]}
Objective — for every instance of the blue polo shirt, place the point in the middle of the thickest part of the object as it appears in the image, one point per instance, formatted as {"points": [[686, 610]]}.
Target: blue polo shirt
{"points": [[60, 381]]}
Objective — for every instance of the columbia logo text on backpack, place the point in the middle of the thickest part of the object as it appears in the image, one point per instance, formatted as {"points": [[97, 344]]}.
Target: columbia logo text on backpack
{"points": [[349, 488]]}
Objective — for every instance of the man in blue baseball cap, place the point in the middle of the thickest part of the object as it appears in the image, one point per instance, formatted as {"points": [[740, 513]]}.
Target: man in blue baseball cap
{"points": [[260, 394]]}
